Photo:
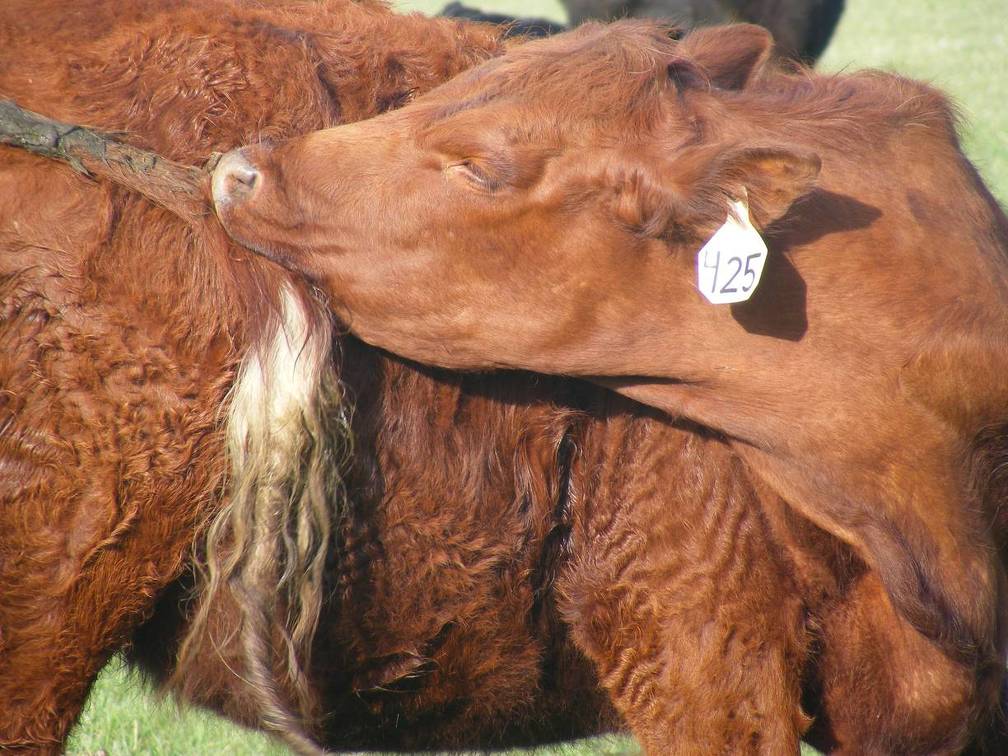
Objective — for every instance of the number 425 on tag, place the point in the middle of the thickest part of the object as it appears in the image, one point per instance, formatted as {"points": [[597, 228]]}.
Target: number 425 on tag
{"points": [[730, 264]]}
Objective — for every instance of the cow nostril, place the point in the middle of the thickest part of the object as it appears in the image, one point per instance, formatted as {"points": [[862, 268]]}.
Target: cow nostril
{"points": [[234, 179], [245, 175]]}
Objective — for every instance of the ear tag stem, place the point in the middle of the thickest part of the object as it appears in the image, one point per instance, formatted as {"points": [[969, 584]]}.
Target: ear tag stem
{"points": [[730, 264]]}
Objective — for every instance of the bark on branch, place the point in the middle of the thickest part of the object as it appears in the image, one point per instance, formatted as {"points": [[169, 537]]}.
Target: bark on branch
{"points": [[182, 189]]}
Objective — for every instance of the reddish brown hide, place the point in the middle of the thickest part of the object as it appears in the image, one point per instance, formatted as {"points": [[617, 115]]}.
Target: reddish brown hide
{"points": [[512, 561], [502, 221]]}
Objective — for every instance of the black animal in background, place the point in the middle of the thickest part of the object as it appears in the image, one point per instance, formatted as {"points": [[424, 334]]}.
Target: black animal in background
{"points": [[525, 27], [801, 28]]}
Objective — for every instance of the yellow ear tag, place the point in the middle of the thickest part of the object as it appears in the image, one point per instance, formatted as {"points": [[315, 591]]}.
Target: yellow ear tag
{"points": [[730, 264]]}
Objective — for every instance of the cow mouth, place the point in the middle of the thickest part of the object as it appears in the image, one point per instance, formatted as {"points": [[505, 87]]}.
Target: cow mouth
{"points": [[274, 253], [284, 259]]}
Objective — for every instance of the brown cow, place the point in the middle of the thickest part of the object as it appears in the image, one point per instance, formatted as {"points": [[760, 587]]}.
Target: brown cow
{"points": [[498, 222], [499, 536]]}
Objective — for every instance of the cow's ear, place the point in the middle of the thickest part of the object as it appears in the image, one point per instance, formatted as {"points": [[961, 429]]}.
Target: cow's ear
{"points": [[731, 56], [771, 177], [691, 191]]}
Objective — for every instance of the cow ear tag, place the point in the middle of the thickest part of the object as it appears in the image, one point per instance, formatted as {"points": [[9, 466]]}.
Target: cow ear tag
{"points": [[730, 264]]}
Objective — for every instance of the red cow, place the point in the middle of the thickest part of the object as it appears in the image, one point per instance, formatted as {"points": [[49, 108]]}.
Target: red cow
{"points": [[499, 223], [493, 549]]}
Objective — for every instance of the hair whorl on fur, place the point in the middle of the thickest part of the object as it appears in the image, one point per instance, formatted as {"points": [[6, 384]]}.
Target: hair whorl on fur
{"points": [[288, 438]]}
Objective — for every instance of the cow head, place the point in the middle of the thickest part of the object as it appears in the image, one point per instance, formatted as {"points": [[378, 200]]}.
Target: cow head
{"points": [[489, 206]]}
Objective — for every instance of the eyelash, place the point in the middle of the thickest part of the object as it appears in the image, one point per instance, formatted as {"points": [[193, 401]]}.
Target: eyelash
{"points": [[477, 175]]}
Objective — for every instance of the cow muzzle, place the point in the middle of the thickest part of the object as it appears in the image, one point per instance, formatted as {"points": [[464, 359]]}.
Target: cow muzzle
{"points": [[235, 180]]}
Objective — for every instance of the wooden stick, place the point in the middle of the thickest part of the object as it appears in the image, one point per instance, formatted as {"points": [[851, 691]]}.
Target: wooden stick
{"points": [[181, 189]]}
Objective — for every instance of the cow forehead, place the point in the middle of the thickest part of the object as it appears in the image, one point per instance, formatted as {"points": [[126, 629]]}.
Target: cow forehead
{"points": [[616, 71]]}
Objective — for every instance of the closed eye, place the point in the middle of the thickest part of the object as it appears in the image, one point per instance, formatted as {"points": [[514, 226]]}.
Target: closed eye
{"points": [[476, 175]]}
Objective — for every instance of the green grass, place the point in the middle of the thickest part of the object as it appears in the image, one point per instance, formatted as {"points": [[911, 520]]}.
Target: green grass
{"points": [[124, 717], [961, 47]]}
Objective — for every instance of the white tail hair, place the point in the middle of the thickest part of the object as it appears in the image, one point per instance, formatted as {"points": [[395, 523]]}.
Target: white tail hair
{"points": [[288, 439]]}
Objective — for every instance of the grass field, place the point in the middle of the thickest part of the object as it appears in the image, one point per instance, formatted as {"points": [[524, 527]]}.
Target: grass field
{"points": [[961, 47]]}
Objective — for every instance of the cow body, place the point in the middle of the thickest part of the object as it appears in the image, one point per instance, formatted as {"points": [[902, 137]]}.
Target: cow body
{"points": [[501, 560]]}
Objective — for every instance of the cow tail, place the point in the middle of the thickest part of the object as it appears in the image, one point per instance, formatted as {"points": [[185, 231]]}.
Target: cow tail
{"points": [[266, 551]]}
